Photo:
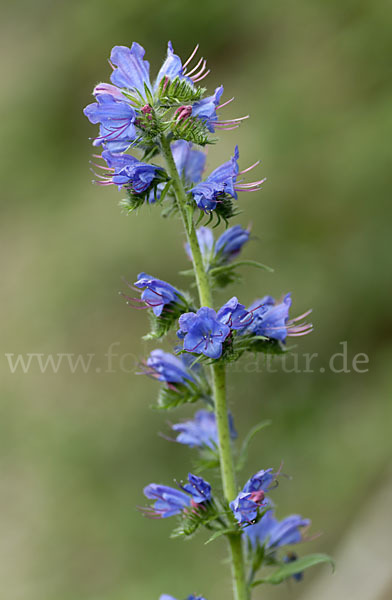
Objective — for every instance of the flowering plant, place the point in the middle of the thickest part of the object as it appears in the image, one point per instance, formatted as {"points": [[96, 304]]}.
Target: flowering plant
{"points": [[173, 118]]}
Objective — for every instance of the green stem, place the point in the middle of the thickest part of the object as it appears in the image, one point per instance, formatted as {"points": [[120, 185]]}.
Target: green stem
{"points": [[218, 377]]}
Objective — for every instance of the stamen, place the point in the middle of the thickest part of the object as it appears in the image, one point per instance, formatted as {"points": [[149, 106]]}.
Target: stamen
{"points": [[250, 168], [225, 103], [235, 120], [190, 58], [202, 77], [197, 66]]}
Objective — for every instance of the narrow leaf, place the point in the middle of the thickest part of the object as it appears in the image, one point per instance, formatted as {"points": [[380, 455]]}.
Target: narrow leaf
{"points": [[295, 567], [219, 533], [245, 445]]}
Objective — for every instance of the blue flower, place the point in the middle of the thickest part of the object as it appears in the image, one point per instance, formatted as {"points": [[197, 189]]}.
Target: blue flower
{"points": [[168, 368], [271, 319], [133, 72], [127, 171], [201, 431], [225, 249], [198, 488], [273, 533], [170, 502], [287, 531], [234, 314], [203, 333], [190, 163], [261, 480], [221, 182], [246, 505], [260, 531], [157, 294], [230, 243], [205, 109], [116, 118]]}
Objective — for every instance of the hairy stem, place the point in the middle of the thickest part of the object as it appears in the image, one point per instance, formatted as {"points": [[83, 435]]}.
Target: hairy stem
{"points": [[218, 378]]}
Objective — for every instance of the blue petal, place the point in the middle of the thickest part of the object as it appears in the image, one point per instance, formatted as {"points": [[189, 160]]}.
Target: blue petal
{"points": [[171, 68], [133, 71]]}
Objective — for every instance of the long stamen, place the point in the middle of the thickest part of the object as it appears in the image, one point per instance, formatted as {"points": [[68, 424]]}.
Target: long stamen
{"points": [[225, 103], [235, 120], [202, 77], [197, 66], [250, 168], [190, 58]]}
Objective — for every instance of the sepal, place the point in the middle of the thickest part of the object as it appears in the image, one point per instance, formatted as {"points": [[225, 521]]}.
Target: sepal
{"points": [[173, 396], [178, 91], [162, 324], [191, 519], [192, 130]]}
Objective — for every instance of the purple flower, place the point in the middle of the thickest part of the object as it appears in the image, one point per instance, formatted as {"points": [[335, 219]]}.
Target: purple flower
{"points": [[260, 531], [234, 314], [230, 243], [157, 294], [131, 75], [205, 109], [202, 332], [225, 249], [271, 319], [198, 488], [116, 118], [170, 502], [168, 368], [190, 163], [262, 480], [201, 431], [246, 505], [287, 531], [127, 171], [273, 533], [221, 182], [132, 72]]}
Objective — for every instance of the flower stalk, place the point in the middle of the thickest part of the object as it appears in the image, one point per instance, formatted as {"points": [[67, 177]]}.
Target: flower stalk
{"points": [[218, 378]]}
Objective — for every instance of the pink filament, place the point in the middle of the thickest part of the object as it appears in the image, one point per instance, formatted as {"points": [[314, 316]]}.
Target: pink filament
{"points": [[190, 58]]}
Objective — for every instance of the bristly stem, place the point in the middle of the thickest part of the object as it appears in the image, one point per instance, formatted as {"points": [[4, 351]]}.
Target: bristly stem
{"points": [[218, 378]]}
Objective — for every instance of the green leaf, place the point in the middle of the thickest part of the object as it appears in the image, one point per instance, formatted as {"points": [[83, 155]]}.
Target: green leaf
{"points": [[295, 567], [245, 445], [242, 263], [165, 190], [217, 534]]}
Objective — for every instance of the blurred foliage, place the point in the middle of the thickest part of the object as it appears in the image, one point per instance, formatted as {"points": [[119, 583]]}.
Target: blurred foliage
{"points": [[77, 449]]}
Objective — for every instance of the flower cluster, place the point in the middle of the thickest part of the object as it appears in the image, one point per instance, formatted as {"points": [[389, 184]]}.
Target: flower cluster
{"points": [[134, 112], [172, 117]]}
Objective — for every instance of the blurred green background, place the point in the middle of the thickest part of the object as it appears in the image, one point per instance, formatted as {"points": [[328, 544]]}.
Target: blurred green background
{"points": [[77, 448]]}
